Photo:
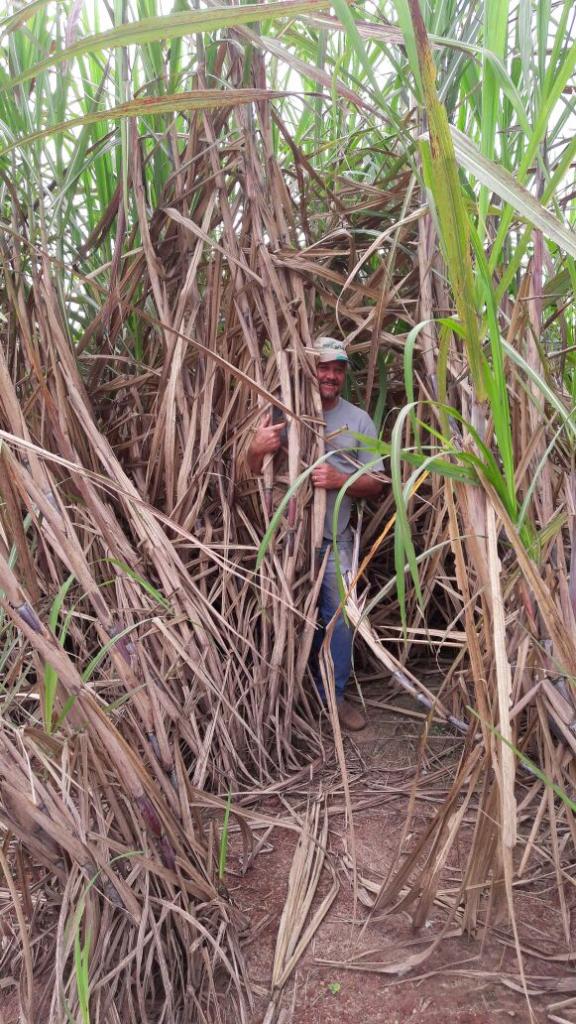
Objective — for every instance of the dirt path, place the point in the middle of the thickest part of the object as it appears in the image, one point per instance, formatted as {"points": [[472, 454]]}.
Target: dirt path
{"points": [[464, 980]]}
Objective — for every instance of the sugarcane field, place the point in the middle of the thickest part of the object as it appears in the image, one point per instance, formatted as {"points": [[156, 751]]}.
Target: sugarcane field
{"points": [[287, 512]]}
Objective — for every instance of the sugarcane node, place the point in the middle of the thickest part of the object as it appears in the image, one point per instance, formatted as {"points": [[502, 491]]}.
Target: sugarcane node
{"points": [[28, 615], [167, 855], [148, 812]]}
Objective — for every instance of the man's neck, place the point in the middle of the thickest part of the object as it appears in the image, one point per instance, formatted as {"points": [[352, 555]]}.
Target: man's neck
{"points": [[331, 404]]}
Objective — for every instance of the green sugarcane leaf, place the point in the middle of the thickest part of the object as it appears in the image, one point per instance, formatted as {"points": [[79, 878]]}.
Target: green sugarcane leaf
{"points": [[203, 99], [170, 26], [441, 175], [501, 181], [15, 21]]}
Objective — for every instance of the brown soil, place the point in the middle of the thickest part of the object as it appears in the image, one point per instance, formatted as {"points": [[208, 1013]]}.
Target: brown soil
{"points": [[465, 980]]}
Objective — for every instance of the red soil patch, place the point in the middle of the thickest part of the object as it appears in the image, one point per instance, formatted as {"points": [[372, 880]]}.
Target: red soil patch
{"points": [[463, 980]]}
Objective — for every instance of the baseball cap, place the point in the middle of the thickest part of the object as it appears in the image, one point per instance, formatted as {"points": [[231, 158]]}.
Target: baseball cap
{"points": [[330, 350]]}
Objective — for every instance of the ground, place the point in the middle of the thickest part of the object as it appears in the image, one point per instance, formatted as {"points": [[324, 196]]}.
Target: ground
{"points": [[340, 977], [465, 980]]}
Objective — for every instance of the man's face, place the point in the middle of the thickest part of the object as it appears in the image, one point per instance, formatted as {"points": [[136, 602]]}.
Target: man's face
{"points": [[331, 377]]}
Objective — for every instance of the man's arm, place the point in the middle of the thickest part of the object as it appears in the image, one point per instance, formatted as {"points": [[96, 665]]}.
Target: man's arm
{"points": [[266, 440], [331, 479]]}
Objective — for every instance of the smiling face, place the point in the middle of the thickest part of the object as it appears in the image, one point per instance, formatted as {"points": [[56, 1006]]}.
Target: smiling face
{"points": [[331, 377]]}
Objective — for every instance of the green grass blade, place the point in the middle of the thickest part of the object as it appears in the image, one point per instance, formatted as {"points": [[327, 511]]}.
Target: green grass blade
{"points": [[50, 674], [104, 650], [152, 591], [344, 12], [527, 761], [82, 973], [223, 850]]}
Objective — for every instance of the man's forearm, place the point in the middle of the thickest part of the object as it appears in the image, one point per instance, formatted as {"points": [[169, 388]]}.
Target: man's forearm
{"points": [[369, 487], [254, 462]]}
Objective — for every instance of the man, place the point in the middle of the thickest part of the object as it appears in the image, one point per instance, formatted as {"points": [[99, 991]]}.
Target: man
{"points": [[342, 420]]}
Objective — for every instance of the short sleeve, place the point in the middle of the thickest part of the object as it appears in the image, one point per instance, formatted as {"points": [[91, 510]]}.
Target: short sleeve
{"points": [[368, 427]]}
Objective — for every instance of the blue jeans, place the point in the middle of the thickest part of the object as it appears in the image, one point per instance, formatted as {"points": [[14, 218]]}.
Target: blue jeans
{"points": [[342, 635]]}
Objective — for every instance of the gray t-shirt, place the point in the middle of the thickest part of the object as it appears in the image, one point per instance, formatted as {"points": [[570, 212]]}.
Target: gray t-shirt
{"points": [[340, 422]]}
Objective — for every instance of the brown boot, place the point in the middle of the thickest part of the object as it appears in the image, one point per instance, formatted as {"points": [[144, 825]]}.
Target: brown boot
{"points": [[350, 718]]}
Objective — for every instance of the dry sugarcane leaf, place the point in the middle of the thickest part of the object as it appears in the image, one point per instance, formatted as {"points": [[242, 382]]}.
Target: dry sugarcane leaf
{"points": [[506, 761], [294, 934]]}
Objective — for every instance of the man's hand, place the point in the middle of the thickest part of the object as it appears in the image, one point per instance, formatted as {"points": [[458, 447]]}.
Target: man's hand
{"points": [[331, 479], [266, 441], [328, 478]]}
